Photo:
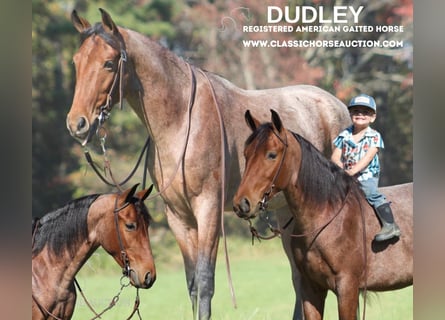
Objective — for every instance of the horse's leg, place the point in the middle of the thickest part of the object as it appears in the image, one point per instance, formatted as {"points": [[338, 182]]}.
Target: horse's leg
{"points": [[313, 300], [347, 297], [187, 239], [296, 281], [208, 217], [287, 226]]}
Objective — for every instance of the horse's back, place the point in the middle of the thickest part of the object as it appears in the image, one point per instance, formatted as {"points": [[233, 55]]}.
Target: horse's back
{"points": [[392, 261], [307, 110], [401, 198]]}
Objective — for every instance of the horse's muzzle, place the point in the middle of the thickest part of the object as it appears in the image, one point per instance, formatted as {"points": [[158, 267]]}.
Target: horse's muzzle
{"points": [[149, 280], [243, 209], [81, 129]]}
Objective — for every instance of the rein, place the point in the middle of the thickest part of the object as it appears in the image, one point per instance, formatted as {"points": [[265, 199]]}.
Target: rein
{"points": [[189, 121], [107, 165]]}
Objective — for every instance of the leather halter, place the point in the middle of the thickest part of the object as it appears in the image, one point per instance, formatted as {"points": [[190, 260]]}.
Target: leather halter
{"points": [[126, 268], [264, 201], [104, 111]]}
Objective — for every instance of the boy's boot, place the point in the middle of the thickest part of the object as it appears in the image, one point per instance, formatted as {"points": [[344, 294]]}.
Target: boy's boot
{"points": [[389, 228]]}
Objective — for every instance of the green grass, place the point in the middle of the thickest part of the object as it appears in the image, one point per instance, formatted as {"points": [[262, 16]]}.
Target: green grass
{"points": [[261, 278]]}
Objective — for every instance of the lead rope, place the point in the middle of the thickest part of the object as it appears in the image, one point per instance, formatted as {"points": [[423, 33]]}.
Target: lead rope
{"points": [[223, 184]]}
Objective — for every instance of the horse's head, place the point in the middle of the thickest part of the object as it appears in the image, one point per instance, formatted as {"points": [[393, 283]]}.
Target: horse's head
{"points": [[264, 173], [100, 75], [129, 243]]}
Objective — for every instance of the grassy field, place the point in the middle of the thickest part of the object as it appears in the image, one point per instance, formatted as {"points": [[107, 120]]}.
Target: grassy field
{"points": [[261, 277]]}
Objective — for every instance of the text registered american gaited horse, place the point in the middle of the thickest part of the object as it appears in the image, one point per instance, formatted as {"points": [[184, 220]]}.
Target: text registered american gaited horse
{"points": [[64, 239], [332, 238], [194, 119]]}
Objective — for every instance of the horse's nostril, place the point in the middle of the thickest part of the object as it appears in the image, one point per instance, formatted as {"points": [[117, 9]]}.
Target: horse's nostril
{"points": [[81, 123], [245, 205], [149, 280], [242, 208]]}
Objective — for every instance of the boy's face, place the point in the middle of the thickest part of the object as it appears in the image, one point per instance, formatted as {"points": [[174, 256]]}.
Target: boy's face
{"points": [[362, 116]]}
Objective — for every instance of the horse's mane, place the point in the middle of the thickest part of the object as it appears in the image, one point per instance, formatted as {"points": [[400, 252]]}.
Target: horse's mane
{"points": [[63, 228], [320, 178]]}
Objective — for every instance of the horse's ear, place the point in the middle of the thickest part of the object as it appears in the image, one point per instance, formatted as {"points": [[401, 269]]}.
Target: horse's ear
{"points": [[143, 194], [129, 193], [251, 121], [276, 120], [108, 23], [79, 23]]}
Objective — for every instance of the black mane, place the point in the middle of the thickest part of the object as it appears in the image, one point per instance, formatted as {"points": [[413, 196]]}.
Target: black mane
{"points": [[63, 228], [320, 178]]}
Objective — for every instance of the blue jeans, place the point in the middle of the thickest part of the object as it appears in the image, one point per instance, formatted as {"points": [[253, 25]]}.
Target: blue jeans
{"points": [[370, 188]]}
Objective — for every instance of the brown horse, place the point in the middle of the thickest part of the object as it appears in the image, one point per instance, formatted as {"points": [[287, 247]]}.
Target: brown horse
{"points": [[64, 239], [194, 118], [334, 226]]}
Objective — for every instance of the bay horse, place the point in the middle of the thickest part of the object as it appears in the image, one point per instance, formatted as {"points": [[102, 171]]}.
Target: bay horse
{"points": [[193, 117], [64, 239], [332, 238]]}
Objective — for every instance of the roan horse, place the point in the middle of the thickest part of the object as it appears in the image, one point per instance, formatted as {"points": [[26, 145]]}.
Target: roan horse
{"points": [[64, 239], [194, 119], [332, 241]]}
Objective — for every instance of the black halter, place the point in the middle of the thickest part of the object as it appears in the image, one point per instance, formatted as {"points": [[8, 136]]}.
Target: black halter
{"points": [[105, 110], [126, 268], [264, 202]]}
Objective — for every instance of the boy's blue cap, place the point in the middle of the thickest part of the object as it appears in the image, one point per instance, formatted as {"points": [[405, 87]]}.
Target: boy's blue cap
{"points": [[363, 100]]}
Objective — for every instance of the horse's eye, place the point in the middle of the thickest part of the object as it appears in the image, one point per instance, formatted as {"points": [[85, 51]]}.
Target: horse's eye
{"points": [[130, 226], [109, 65], [271, 155]]}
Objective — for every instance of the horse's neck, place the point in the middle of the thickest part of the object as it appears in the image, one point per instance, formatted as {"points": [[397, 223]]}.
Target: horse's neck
{"points": [[159, 88], [307, 214], [54, 273]]}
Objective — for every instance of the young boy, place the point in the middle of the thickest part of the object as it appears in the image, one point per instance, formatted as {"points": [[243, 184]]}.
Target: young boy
{"points": [[356, 151]]}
